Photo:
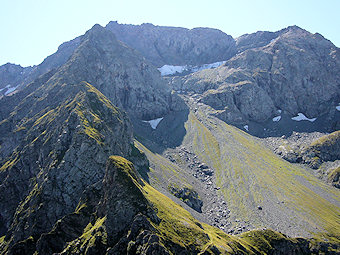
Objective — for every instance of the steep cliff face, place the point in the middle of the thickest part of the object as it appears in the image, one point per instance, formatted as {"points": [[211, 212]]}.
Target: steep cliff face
{"points": [[58, 132], [122, 214], [50, 152], [120, 73], [176, 46], [293, 71], [255, 40]]}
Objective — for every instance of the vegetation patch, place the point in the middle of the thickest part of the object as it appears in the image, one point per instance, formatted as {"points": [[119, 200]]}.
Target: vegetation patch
{"points": [[334, 177], [93, 239]]}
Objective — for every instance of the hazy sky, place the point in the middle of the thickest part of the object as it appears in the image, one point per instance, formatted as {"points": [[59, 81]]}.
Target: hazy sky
{"points": [[31, 30]]}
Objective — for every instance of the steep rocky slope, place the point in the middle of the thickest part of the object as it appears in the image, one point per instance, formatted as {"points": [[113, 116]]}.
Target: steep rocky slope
{"points": [[120, 73], [51, 152], [242, 184], [124, 215], [59, 131], [174, 45], [296, 72]]}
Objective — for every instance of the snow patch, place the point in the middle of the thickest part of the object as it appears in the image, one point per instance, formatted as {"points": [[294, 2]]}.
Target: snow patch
{"points": [[279, 111], [338, 107], [170, 70], [10, 90], [154, 123], [246, 127], [301, 116], [277, 118]]}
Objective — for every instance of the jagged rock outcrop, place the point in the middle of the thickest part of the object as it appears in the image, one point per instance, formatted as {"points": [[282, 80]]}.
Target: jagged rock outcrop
{"points": [[120, 73], [323, 149], [188, 196], [317, 150], [255, 40], [333, 177], [326, 148], [174, 45], [52, 151], [123, 215], [293, 71]]}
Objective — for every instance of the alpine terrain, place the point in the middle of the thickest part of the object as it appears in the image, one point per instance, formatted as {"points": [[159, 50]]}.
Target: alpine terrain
{"points": [[143, 139]]}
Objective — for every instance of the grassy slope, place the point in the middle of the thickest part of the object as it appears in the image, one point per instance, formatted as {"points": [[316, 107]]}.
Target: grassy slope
{"points": [[293, 200], [177, 227], [161, 169]]}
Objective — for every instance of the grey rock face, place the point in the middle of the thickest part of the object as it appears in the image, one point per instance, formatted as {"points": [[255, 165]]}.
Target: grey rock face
{"points": [[120, 73], [296, 71], [122, 199], [176, 46], [58, 151], [240, 102], [255, 40], [188, 196]]}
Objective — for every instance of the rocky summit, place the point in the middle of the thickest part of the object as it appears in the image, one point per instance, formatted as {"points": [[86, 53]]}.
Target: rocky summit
{"points": [[144, 139]]}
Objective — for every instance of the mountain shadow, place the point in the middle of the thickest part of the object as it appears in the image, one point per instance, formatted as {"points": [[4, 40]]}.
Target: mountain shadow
{"points": [[169, 133]]}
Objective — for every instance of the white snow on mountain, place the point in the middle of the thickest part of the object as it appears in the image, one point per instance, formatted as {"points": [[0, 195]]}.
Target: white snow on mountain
{"points": [[338, 107], [277, 118], [301, 116], [246, 127], [154, 123], [170, 70], [10, 90]]}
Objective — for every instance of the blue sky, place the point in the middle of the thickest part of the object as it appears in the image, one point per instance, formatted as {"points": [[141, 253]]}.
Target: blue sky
{"points": [[33, 29]]}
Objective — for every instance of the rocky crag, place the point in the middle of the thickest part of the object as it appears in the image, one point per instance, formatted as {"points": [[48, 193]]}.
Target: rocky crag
{"points": [[58, 132], [318, 151], [124, 215], [64, 193], [174, 45], [283, 74]]}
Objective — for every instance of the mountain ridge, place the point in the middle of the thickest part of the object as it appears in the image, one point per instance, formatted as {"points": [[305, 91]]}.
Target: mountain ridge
{"points": [[195, 178]]}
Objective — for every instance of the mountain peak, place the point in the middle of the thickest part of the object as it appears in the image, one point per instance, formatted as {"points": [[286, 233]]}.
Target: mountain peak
{"points": [[98, 31], [294, 29]]}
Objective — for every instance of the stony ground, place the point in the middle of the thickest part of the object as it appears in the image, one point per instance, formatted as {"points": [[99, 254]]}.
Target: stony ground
{"points": [[242, 184]]}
